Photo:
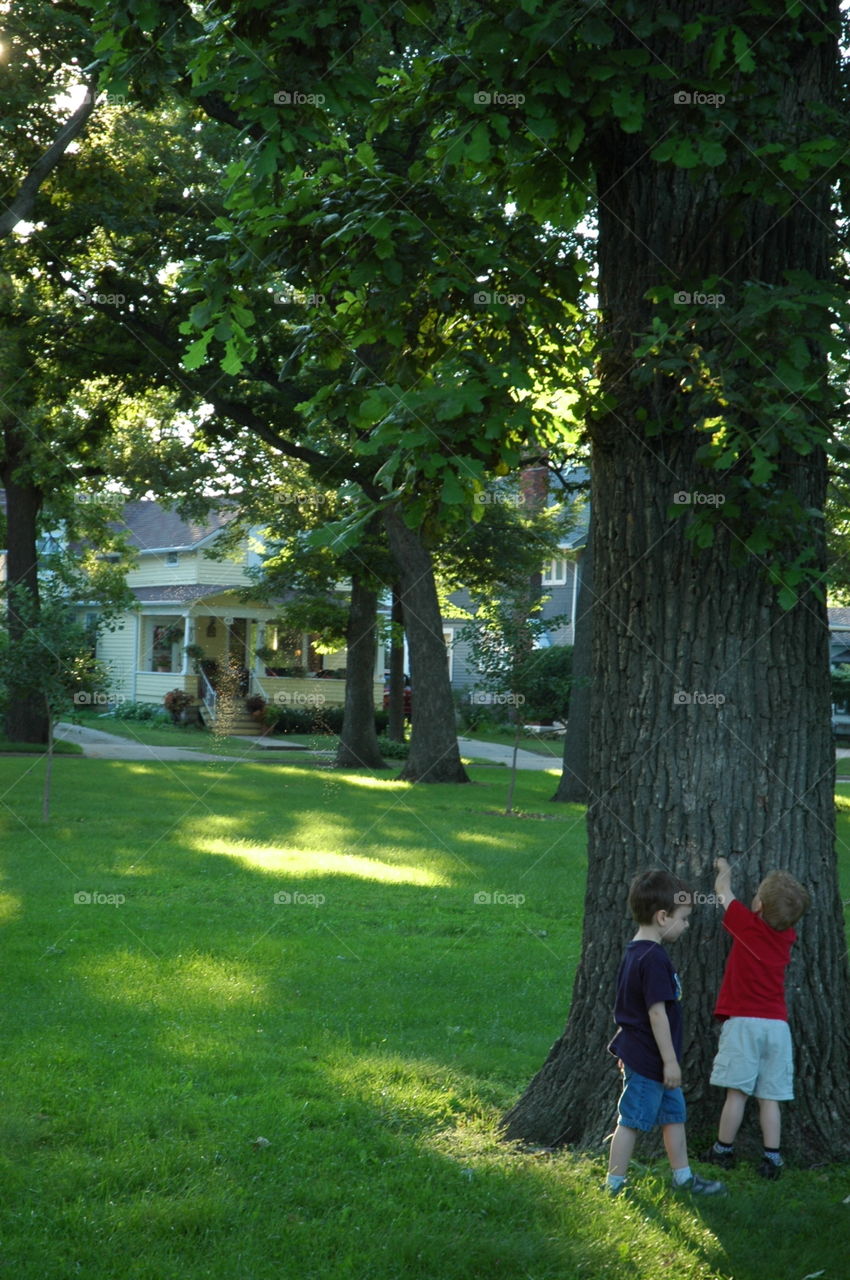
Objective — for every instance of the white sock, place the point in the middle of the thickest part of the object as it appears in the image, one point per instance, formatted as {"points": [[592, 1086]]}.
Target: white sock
{"points": [[615, 1181], [681, 1176]]}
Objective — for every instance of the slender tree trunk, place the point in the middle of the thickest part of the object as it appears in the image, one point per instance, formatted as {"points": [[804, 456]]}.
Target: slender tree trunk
{"points": [[573, 786], [25, 719], [710, 704], [434, 754], [395, 727], [358, 742]]}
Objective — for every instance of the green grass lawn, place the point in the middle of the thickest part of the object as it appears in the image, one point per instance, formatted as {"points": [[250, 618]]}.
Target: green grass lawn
{"points": [[162, 1012]]}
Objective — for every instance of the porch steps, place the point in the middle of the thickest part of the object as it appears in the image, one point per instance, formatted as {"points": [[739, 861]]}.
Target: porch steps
{"points": [[231, 719]]}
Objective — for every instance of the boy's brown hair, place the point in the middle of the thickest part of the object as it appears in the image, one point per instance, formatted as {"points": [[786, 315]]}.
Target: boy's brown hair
{"points": [[652, 891], [783, 900]]}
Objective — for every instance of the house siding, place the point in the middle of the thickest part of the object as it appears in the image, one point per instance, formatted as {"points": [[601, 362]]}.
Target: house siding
{"points": [[117, 649]]}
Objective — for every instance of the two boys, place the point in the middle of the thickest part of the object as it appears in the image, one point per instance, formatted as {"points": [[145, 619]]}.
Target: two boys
{"points": [[754, 1054]]}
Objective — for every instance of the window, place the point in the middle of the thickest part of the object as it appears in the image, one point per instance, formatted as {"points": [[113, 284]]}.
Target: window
{"points": [[160, 639], [172, 558], [555, 572]]}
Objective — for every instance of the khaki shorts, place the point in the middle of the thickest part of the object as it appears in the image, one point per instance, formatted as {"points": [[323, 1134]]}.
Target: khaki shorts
{"points": [[755, 1056]]}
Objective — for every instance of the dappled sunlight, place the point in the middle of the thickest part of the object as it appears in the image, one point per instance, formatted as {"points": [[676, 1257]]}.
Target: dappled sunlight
{"points": [[217, 982], [310, 862], [10, 907]]}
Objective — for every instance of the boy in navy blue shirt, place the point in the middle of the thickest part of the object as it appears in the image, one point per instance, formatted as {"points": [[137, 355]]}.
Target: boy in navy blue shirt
{"points": [[648, 1042]]}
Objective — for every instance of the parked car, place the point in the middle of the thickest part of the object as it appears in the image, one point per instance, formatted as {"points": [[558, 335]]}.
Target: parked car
{"points": [[408, 701]]}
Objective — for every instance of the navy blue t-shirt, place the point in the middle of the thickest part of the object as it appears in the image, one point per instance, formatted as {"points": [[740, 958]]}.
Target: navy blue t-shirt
{"points": [[646, 977]]}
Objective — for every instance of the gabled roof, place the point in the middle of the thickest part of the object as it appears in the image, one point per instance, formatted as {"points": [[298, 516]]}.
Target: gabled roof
{"points": [[154, 527]]}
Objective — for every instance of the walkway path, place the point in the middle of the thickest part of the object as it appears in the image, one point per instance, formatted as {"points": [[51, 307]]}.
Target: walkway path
{"points": [[98, 744]]}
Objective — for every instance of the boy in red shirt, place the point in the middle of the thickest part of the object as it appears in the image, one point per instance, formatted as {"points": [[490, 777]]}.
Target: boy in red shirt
{"points": [[754, 1056]]}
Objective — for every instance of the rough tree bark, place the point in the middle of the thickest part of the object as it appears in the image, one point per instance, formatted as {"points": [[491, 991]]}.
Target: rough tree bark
{"points": [[358, 741], [434, 754], [677, 780], [573, 787], [26, 718]]}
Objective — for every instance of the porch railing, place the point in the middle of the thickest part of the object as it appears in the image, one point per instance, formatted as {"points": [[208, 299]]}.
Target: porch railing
{"points": [[209, 697]]}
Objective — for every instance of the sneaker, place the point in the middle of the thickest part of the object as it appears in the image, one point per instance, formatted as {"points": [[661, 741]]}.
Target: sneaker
{"points": [[700, 1186], [767, 1169], [622, 1190], [725, 1159]]}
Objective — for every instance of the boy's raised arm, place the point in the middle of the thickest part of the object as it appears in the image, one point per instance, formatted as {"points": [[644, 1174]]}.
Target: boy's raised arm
{"points": [[723, 881]]}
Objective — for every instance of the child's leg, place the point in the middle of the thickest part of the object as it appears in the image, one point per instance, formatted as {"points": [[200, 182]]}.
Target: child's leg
{"points": [[676, 1145], [731, 1116], [622, 1146], [771, 1123]]}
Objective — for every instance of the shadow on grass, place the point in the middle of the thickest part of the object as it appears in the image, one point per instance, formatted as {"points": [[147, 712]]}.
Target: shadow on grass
{"points": [[371, 1039]]}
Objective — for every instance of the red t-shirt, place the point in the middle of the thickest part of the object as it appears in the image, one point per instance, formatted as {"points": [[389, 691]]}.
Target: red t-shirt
{"points": [[753, 983]]}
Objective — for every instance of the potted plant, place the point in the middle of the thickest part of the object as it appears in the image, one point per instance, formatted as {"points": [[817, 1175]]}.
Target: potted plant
{"points": [[195, 654], [176, 702], [255, 705]]}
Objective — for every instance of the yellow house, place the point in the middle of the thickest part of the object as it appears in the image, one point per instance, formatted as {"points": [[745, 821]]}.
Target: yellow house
{"points": [[193, 623]]}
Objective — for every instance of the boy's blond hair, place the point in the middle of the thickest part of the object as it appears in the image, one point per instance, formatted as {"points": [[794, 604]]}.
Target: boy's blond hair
{"points": [[783, 900]]}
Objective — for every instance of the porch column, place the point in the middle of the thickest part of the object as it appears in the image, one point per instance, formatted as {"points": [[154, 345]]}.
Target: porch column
{"points": [[187, 639], [259, 665]]}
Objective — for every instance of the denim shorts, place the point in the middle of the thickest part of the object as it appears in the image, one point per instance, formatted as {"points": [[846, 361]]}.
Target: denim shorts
{"points": [[644, 1103]]}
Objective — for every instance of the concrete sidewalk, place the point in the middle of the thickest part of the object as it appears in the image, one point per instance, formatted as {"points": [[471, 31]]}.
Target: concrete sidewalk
{"points": [[98, 745], [496, 753]]}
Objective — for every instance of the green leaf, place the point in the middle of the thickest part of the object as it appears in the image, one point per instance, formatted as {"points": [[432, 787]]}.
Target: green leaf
{"points": [[196, 355], [787, 598]]}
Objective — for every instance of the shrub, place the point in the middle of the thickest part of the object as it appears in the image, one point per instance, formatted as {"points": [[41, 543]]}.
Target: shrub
{"points": [[255, 702], [175, 702], [138, 711], [391, 750]]}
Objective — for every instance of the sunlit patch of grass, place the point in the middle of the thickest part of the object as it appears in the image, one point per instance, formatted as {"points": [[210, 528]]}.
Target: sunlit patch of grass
{"points": [[372, 1040]]}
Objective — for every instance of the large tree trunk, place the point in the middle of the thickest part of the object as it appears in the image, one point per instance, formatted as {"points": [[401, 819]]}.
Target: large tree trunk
{"points": [[358, 741], [573, 786], [710, 705], [26, 717], [434, 754]]}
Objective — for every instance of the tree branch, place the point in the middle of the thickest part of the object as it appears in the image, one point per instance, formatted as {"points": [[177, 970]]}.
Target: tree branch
{"points": [[21, 207]]}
